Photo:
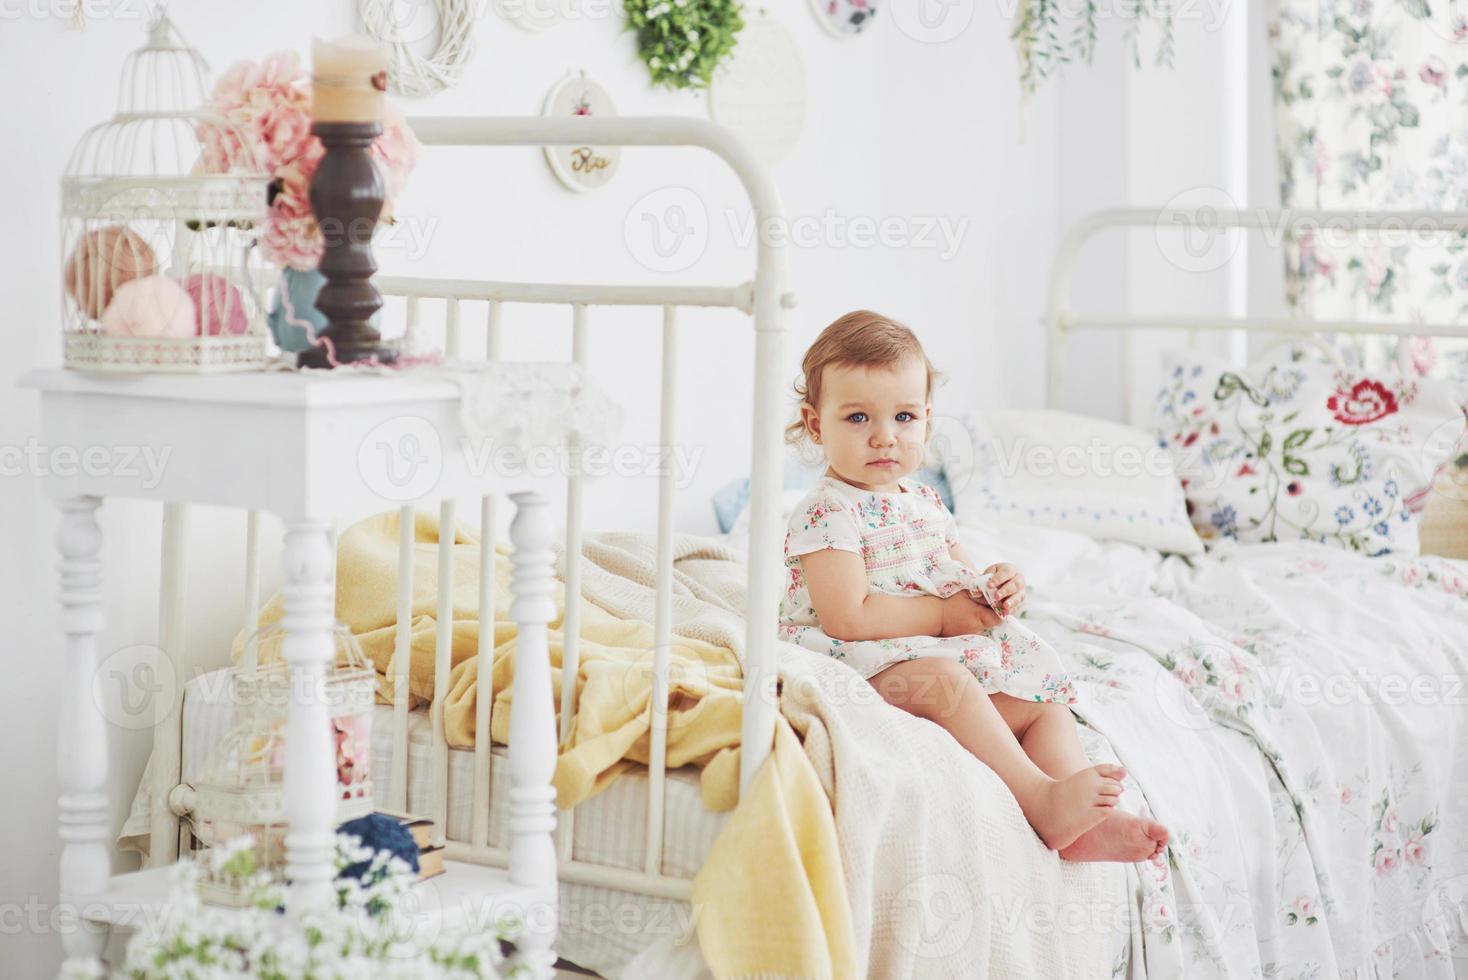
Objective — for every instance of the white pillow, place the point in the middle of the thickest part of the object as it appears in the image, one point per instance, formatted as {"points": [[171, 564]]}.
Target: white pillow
{"points": [[1110, 481]]}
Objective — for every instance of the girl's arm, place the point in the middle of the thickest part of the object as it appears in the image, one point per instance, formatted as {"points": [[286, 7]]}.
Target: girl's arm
{"points": [[837, 582], [1004, 579]]}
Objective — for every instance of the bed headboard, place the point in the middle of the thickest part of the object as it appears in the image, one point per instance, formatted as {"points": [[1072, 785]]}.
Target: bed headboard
{"points": [[1061, 320]]}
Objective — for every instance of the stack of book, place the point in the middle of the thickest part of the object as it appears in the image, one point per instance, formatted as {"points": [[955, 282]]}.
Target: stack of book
{"points": [[430, 855]]}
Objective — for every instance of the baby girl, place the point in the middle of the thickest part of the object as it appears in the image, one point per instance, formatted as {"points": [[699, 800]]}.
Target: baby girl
{"points": [[879, 580]]}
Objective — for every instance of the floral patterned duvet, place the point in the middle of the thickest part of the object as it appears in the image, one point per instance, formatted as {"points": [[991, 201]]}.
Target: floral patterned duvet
{"points": [[1297, 714]]}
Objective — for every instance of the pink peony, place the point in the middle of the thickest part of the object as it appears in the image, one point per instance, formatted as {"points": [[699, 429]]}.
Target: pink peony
{"points": [[1414, 850], [1389, 820], [1305, 906], [1346, 796], [268, 104], [1387, 860]]}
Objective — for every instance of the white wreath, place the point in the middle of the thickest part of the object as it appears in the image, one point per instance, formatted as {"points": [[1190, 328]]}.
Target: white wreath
{"points": [[412, 74]]}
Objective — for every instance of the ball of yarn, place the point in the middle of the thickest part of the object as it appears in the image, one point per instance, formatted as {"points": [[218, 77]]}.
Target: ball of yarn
{"points": [[218, 306], [381, 833], [154, 306], [102, 261]]}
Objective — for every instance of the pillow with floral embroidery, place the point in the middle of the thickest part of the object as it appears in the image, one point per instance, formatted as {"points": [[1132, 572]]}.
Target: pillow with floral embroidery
{"points": [[1298, 450]]}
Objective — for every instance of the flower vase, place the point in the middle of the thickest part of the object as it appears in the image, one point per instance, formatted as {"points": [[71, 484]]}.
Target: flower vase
{"points": [[288, 324], [295, 308]]}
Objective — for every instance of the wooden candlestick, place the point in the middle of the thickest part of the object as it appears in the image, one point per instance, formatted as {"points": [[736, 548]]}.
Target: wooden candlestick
{"points": [[347, 195]]}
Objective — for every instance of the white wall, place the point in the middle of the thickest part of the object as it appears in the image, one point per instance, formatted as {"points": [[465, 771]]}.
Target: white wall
{"points": [[896, 128]]}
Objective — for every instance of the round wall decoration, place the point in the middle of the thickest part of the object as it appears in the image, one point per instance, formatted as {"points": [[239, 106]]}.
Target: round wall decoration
{"points": [[581, 168], [845, 18], [760, 91], [404, 28]]}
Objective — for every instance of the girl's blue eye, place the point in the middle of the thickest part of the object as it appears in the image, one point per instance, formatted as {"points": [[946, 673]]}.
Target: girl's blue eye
{"points": [[857, 417], [906, 417]]}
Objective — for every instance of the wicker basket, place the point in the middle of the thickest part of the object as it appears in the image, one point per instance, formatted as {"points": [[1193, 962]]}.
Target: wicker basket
{"points": [[1445, 520]]}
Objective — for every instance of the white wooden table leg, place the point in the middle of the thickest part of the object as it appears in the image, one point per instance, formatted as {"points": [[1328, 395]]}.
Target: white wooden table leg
{"points": [[532, 749], [86, 864], [310, 763]]}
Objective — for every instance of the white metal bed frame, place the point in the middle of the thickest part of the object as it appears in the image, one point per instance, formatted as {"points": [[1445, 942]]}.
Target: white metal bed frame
{"points": [[83, 755], [1061, 320]]}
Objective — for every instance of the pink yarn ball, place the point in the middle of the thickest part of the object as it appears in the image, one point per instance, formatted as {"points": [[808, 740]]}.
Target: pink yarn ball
{"points": [[154, 306], [218, 306]]}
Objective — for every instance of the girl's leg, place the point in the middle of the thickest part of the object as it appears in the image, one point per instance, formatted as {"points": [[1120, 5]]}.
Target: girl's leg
{"points": [[1047, 733], [945, 692]]}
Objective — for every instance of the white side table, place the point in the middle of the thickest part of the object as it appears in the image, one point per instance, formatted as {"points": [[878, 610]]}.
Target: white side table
{"points": [[310, 447]]}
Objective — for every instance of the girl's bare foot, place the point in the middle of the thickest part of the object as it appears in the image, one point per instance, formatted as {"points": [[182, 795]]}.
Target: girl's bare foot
{"points": [[1061, 810], [1120, 837]]}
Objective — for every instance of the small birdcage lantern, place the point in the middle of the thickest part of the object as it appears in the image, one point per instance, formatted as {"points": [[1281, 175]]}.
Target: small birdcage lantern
{"points": [[161, 206], [242, 792]]}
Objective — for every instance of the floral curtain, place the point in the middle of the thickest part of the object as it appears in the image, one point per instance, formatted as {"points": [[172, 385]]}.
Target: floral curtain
{"points": [[1372, 113]]}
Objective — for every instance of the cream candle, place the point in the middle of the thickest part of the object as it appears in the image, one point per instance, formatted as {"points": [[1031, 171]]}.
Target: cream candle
{"points": [[348, 79]]}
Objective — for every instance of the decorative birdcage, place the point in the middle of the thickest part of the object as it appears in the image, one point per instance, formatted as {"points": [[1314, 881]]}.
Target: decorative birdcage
{"points": [[242, 792], [160, 210]]}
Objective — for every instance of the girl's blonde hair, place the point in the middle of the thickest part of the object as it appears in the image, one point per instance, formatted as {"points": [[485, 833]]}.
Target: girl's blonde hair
{"points": [[861, 338]]}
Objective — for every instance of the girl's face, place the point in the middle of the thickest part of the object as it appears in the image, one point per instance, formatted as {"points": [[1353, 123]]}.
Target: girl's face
{"points": [[872, 422]]}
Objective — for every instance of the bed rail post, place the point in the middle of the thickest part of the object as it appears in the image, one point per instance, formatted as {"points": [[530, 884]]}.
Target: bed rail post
{"points": [[165, 841], [82, 752], [532, 747]]}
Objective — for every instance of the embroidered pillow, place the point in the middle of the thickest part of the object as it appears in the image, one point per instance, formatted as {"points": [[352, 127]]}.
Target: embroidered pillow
{"points": [[1061, 470], [1299, 450]]}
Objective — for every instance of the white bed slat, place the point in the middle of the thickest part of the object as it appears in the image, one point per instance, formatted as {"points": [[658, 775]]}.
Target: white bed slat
{"points": [[248, 659], [484, 683], [492, 332], [410, 331], [442, 662], [571, 620], [402, 655], [451, 328], [166, 835], [663, 602]]}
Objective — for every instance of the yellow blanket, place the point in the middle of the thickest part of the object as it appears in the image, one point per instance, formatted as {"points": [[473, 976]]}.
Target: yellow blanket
{"points": [[771, 896]]}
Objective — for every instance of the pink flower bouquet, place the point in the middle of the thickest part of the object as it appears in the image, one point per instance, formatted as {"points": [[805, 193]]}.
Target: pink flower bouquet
{"points": [[269, 106]]}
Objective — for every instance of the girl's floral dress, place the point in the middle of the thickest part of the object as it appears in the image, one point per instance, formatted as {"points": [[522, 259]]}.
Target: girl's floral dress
{"points": [[904, 538]]}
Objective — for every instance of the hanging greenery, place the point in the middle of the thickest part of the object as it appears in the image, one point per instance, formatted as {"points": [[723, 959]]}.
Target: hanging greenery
{"points": [[683, 41], [1041, 28]]}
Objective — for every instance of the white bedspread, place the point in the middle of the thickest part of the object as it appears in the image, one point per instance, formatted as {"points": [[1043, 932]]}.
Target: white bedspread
{"points": [[1297, 715]]}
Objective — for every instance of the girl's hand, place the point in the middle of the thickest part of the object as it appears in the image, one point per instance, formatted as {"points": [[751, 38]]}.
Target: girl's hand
{"points": [[963, 615], [1008, 585]]}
